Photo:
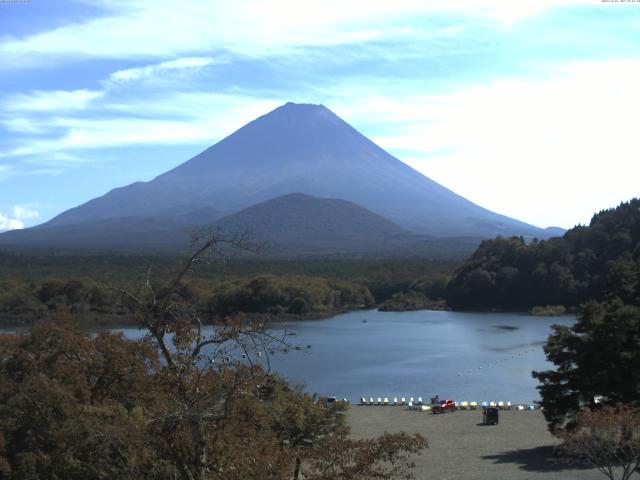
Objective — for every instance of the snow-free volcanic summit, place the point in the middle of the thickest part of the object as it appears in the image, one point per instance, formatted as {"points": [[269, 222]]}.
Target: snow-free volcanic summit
{"points": [[296, 148]]}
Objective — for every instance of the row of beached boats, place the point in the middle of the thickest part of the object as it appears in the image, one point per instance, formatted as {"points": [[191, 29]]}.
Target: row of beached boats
{"points": [[418, 404]]}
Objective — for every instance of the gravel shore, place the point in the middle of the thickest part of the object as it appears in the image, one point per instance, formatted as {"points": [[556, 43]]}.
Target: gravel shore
{"points": [[461, 448]]}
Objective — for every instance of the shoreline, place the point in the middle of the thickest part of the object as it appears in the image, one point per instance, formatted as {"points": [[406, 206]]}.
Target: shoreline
{"points": [[107, 321]]}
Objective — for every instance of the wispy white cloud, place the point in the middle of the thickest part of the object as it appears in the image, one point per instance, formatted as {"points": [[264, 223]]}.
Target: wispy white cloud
{"points": [[55, 123], [8, 223], [50, 100], [5, 171], [22, 125], [52, 160], [15, 217], [28, 112], [49, 172], [159, 29], [38, 112], [186, 63], [169, 119]]}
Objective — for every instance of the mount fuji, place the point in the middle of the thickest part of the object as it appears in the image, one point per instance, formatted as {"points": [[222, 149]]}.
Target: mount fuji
{"points": [[296, 148]]}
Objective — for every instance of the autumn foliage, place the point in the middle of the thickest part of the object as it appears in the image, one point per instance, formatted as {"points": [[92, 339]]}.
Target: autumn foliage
{"points": [[192, 399], [608, 439]]}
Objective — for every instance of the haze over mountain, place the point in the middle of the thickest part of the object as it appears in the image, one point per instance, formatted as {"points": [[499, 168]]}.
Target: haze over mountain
{"points": [[300, 218], [293, 225], [295, 148], [302, 225]]}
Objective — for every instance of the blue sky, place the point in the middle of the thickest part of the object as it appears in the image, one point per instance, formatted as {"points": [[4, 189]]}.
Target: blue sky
{"points": [[526, 108]]}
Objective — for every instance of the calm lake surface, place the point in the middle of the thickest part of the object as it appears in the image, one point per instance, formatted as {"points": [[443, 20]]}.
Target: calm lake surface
{"points": [[465, 356]]}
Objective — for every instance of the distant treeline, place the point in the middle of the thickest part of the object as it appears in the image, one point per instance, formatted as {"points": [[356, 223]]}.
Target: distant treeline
{"points": [[90, 303], [596, 262], [88, 288], [119, 267], [289, 294]]}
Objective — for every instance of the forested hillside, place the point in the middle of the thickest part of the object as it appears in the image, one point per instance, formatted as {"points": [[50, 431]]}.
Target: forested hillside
{"points": [[594, 262]]}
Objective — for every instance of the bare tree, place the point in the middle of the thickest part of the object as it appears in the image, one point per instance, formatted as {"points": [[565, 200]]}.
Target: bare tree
{"points": [[208, 363], [219, 373]]}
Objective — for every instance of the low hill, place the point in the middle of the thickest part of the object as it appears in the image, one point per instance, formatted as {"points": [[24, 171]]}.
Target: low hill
{"points": [[304, 224]]}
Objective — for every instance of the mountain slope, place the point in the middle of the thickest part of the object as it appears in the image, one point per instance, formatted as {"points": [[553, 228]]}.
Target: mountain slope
{"points": [[129, 234], [308, 149], [293, 225]]}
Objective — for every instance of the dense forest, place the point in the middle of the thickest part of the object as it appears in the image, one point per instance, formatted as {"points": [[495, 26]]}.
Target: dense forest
{"points": [[94, 304], [88, 287], [596, 262]]}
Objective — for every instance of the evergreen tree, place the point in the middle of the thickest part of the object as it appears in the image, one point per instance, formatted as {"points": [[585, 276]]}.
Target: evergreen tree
{"points": [[598, 356]]}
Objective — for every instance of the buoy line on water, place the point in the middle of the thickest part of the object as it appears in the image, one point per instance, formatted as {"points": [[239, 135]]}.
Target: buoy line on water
{"points": [[469, 371]]}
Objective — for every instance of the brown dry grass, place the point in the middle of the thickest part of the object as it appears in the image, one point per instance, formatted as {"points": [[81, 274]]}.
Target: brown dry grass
{"points": [[460, 448]]}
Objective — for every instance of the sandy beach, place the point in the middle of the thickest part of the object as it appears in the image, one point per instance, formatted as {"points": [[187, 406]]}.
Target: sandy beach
{"points": [[461, 448]]}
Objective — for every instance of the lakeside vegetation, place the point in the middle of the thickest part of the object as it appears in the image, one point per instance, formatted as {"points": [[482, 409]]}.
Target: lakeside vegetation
{"points": [[87, 288], [548, 311], [411, 300]]}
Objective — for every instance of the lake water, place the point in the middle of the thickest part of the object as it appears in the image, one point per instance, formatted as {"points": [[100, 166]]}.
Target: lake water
{"points": [[465, 356]]}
